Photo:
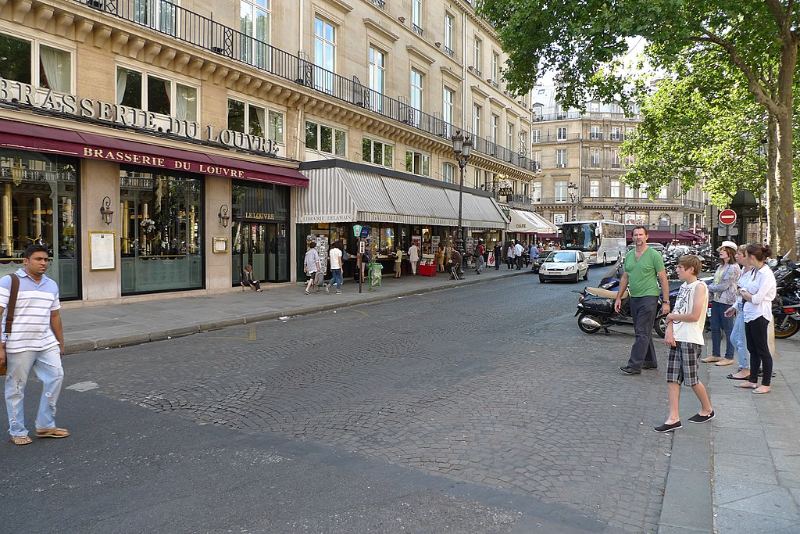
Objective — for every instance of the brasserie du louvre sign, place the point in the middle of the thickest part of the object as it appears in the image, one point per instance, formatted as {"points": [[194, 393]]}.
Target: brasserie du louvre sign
{"points": [[23, 95]]}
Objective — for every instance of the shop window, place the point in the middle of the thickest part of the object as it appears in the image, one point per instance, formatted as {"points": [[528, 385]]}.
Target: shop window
{"points": [[377, 152], [141, 90], [40, 206], [418, 163], [275, 126], [35, 63], [325, 139], [162, 224]]}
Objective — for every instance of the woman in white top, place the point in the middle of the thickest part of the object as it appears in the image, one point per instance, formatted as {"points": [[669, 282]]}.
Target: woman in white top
{"points": [[738, 337], [757, 289]]}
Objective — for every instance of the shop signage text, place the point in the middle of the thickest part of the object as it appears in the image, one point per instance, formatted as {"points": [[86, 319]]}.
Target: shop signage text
{"points": [[14, 92], [259, 216], [123, 156]]}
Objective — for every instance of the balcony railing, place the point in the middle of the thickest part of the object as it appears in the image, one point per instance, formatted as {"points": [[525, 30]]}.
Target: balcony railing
{"points": [[379, 3], [417, 29], [449, 51], [184, 25], [564, 115]]}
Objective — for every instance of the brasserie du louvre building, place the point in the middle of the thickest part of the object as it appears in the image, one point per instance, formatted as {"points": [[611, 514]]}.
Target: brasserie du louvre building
{"points": [[150, 161]]}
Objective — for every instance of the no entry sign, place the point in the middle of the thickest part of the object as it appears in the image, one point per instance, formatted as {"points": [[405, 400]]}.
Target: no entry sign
{"points": [[727, 216]]}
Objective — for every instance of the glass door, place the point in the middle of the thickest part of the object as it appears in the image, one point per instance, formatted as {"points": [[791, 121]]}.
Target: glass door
{"points": [[249, 247]]}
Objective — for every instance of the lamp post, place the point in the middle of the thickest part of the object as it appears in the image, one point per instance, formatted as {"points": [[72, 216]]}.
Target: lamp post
{"points": [[572, 189], [462, 148]]}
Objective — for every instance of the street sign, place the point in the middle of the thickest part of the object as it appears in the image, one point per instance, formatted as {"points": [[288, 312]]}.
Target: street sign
{"points": [[362, 247], [356, 230], [727, 216], [365, 231]]}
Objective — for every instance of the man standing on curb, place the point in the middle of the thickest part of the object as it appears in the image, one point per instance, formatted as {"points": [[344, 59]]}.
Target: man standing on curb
{"points": [[644, 272], [36, 342]]}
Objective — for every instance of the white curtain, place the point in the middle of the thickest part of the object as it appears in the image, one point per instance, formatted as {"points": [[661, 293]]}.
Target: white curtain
{"points": [[122, 83], [186, 103], [56, 65], [262, 121]]}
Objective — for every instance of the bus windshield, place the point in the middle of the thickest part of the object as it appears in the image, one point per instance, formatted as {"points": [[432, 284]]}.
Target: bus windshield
{"points": [[580, 236]]}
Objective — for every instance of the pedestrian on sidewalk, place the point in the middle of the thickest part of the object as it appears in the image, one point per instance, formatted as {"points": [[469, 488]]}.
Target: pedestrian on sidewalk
{"points": [[684, 337], [398, 263], [738, 337], [311, 265], [335, 255], [758, 291], [723, 296], [518, 250], [533, 253], [413, 257], [510, 255], [35, 341], [248, 280], [480, 261], [644, 273], [455, 265], [498, 255]]}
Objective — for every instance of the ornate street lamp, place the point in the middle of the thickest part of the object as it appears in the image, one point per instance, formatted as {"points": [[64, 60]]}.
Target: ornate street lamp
{"points": [[462, 148]]}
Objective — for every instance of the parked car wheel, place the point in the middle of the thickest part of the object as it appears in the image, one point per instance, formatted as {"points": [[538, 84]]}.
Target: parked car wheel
{"points": [[541, 279]]}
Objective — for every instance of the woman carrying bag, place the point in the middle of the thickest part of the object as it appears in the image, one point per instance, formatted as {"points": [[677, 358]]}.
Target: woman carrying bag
{"points": [[723, 296]]}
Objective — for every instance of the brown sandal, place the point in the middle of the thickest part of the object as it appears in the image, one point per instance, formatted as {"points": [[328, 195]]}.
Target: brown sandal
{"points": [[21, 440], [52, 433]]}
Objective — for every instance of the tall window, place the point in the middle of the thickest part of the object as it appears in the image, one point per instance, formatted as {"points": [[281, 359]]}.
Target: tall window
{"points": [[494, 128], [325, 139], [536, 192], [324, 54], [418, 163], [145, 91], [415, 94], [595, 133], [377, 66], [561, 157], [536, 136], [561, 133], [594, 157], [614, 186], [495, 67], [510, 136], [449, 23], [254, 23], [255, 120], [662, 194], [477, 55], [561, 191], [594, 188], [448, 95], [416, 16], [616, 133], [448, 173], [35, 64], [377, 152], [476, 119], [523, 143], [615, 162], [161, 16], [630, 192]]}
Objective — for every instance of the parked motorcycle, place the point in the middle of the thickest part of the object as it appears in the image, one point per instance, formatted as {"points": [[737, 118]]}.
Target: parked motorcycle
{"points": [[596, 312]]}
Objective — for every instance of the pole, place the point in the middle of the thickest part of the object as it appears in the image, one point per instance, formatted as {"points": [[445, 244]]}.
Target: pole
{"points": [[359, 263], [461, 165]]}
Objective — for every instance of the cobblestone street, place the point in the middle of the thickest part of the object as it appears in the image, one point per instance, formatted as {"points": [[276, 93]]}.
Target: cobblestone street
{"points": [[490, 385]]}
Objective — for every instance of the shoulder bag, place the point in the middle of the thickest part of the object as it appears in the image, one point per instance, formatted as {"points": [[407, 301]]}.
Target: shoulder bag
{"points": [[12, 303]]}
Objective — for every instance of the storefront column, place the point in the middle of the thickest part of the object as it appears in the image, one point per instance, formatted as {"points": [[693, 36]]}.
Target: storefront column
{"points": [[8, 230], [99, 179], [218, 266], [293, 249]]}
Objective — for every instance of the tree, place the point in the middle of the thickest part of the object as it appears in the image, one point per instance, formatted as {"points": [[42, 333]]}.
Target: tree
{"points": [[580, 41]]}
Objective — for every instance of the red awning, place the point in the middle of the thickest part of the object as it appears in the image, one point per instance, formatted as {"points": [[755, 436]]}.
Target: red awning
{"points": [[44, 139], [655, 236]]}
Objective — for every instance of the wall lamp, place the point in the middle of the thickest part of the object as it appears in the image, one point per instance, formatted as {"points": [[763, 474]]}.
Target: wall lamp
{"points": [[224, 218], [105, 210]]}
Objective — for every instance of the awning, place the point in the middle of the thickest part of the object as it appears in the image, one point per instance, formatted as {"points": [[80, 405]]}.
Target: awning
{"points": [[527, 222], [340, 194], [45, 139]]}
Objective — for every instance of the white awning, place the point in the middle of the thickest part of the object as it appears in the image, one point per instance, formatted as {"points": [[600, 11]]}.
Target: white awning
{"points": [[527, 222], [337, 194]]}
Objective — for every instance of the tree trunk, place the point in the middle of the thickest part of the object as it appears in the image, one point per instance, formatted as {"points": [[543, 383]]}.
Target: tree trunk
{"points": [[773, 204], [784, 214]]}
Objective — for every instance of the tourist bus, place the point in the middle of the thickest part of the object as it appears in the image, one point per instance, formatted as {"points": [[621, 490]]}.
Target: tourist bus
{"points": [[602, 241]]}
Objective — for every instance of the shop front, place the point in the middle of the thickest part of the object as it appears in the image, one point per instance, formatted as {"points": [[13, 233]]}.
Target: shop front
{"points": [[528, 227], [399, 209]]}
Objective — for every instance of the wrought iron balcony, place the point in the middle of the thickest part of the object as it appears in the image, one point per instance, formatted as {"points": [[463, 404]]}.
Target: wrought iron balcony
{"points": [[195, 29]]}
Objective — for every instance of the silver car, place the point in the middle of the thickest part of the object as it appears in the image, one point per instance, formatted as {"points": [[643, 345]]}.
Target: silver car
{"points": [[564, 265]]}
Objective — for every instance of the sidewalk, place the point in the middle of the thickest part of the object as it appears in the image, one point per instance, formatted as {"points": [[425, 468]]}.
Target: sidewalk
{"points": [[745, 466], [97, 327]]}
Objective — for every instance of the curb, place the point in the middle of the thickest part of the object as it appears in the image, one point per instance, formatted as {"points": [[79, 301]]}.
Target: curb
{"points": [[86, 345], [688, 495]]}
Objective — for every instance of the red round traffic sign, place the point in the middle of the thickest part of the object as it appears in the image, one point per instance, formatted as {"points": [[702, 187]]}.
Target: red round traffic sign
{"points": [[727, 216]]}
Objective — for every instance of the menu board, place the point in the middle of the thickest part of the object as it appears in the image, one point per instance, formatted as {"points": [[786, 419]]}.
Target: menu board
{"points": [[102, 251]]}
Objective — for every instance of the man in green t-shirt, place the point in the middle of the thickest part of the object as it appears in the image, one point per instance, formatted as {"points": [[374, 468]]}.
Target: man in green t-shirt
{"points": [[644, 273]]}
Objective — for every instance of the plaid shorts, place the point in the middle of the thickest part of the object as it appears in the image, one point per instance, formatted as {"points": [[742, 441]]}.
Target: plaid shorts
{"points": [[682, 366]]}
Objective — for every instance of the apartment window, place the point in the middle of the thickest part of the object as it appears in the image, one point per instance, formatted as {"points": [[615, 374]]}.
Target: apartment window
{"points": [[494, 128], [594, 188], [476, 119], [630, 192], [324, 54], [144, 91], [255, 120], [477, 55], [615, 163], [643, 193], [448, 173], [161, 16], [448, 96], [596, 133], [416, 16], [561, 157], [510, 137], [449, 24], [254, 23], [523, 142], [495, 67], [418, 163], [377, 68], [616, 133], [662, 194], [377, 152], [614, 186], [536, 136], [561, 134], [416, 94], [536, 156], [326, 139], [35, 64], [536, 192], [561, 191], [594, 157]]}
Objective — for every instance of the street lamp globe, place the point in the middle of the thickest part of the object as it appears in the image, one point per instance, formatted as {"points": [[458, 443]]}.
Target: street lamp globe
{"points": [[458, 143], [466, 148]]}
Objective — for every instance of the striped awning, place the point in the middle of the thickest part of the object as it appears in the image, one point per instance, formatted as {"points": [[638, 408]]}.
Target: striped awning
{"points": [[340, 194], [527, 222]]}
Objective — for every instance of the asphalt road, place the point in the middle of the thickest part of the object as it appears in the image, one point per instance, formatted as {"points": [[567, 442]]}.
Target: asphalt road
{"points": [[474, 409]]}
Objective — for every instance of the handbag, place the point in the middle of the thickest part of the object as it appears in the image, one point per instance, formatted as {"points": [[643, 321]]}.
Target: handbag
{"points": [[12, 303]]}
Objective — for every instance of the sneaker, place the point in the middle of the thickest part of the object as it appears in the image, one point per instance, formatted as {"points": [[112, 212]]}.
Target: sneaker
{"points": [[327, 288], [649, 366], [338, 291], [697, 418], [668, 428], [630, 370]]}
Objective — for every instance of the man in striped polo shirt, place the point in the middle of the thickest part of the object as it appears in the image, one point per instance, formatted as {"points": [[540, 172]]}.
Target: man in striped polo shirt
{"points": [[36, 342]]}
